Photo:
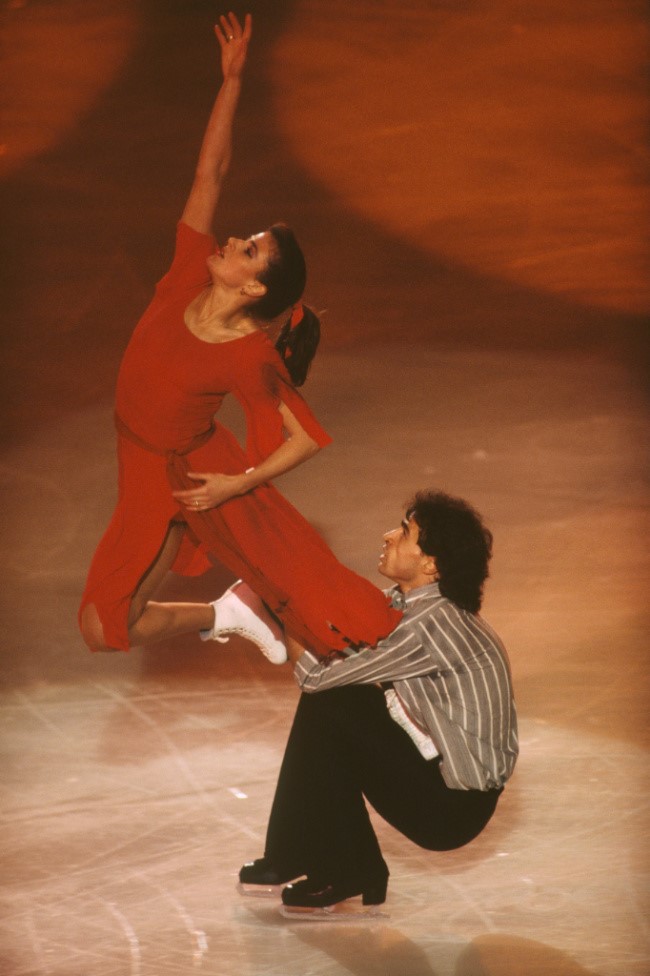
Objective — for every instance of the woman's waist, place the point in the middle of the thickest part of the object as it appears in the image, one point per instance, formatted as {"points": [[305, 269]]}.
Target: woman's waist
{"points": [[162, 439], [166, 425], [167, 406]]}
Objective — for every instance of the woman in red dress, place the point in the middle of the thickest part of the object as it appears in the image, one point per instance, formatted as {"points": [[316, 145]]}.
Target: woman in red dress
{"points": [[188, 493]]}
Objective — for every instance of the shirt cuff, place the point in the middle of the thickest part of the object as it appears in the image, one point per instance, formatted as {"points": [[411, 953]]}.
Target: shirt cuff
{"points": [[306, 665]]}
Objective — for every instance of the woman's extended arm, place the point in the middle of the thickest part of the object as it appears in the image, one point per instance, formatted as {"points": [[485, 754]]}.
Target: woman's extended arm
{"points": [[218, 488], [214, 157]]}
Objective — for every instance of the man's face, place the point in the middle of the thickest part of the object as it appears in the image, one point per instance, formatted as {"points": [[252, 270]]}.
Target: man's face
{"points": [[402, 560]]}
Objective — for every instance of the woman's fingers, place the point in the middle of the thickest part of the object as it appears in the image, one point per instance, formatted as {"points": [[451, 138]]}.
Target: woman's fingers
{"points": [[196, 499], [229, 28], [225, 31], [191, 495], [191, 500], [226, 28], [233, 42], [216, 489]]}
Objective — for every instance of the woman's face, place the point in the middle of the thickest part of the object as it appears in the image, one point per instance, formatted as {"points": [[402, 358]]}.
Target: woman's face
{"points": [[240, 262]]}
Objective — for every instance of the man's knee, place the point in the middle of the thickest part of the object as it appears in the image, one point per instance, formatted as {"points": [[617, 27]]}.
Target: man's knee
{"points": [[332, 701], [92, 630], [349, 713]]}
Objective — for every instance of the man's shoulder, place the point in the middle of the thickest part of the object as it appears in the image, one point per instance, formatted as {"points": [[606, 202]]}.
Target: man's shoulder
{"points": [[428, 603], [424, 603]]}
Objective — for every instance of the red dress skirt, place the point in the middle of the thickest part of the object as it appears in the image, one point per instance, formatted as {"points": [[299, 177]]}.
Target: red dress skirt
{"points": [[170, 386]]}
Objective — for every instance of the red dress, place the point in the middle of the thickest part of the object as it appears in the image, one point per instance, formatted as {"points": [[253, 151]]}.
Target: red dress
{"points": [[170, 385]]}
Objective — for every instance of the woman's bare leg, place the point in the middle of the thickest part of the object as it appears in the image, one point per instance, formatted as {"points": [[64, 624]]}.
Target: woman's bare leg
{"points": [[294, 648], [150, 621]]}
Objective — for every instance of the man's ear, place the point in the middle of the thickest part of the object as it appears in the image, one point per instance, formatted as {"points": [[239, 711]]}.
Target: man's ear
{"points": [[429, 567]]}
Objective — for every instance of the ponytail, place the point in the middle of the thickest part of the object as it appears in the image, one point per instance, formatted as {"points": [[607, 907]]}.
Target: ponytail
{"points": [[298, 342], [284, 279]]}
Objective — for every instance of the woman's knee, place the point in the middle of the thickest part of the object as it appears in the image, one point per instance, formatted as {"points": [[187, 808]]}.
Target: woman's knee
{"points": [[92, 630]]}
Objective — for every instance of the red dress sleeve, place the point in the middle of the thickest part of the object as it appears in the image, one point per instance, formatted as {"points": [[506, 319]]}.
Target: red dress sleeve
{"points": [[188, 269], [262, 386]]}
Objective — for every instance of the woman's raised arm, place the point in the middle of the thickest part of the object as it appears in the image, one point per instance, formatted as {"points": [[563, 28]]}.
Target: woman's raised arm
{"points": [[214, 157]]}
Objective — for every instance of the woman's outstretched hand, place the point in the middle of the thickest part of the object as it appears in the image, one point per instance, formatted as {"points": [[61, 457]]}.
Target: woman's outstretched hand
{"points": [[233, 42], [216, 489]]}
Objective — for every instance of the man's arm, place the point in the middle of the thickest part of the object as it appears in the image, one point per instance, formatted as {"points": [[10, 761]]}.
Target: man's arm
{"points": [[401, 655], [215, 153]]}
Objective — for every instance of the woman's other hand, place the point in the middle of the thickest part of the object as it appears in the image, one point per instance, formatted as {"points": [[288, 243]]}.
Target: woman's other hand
{"points": [[233, 42], [214, 490]]}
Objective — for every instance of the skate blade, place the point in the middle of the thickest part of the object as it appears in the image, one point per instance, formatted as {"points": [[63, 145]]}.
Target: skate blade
{"points": [[259, 891], [343, 911]]}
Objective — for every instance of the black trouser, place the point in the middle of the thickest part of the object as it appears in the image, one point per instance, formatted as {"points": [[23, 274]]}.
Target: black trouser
{"points": [[343, 746]]}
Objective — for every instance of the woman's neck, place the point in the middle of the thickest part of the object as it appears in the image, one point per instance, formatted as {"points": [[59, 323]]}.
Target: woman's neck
{"points": [[220, 305], [214, 313]]}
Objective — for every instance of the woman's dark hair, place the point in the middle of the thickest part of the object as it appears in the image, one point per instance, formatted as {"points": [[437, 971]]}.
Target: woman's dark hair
{"points": [[284, 277], [452, 532], [297, 345]]}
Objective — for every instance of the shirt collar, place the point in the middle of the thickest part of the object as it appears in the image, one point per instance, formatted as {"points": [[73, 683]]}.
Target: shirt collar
{"points": [[400, 601]]}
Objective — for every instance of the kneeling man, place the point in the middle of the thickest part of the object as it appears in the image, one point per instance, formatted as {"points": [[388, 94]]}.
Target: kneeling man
{"points": [[423, 726]]}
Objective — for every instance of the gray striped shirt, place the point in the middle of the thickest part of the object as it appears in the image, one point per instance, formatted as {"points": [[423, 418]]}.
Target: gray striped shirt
{"points": [[451, 672]]}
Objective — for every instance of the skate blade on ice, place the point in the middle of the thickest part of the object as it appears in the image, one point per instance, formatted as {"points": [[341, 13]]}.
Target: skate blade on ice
{"points": [[351, 910], [259, 891]]}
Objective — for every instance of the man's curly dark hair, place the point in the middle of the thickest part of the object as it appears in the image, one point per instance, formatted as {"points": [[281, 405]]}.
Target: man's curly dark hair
{"points": [[452, 532]]}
